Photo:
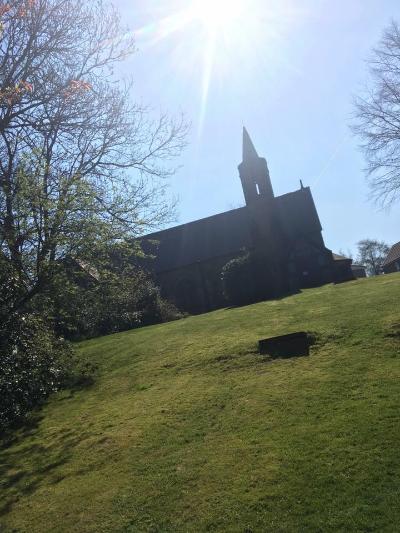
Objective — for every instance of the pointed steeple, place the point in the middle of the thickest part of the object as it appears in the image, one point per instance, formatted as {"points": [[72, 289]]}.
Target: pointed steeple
{"points": [[254, 172], [249, 152]]}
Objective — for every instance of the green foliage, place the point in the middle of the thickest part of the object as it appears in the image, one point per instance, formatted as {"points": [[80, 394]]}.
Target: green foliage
{"points": [[83, 168], [188, 428], [33, 362], [77, 303], [105, 294], [111, 305], [237, 280]]}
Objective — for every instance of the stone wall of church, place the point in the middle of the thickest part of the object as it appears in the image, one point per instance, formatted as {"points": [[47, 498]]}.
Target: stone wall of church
{"points": [[195, 288]]}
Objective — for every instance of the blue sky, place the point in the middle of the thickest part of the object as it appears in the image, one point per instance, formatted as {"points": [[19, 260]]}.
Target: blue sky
{"points": [[285, 69]]}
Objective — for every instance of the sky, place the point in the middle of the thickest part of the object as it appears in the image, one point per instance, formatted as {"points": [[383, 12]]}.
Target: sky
{"points": [[288, 70]]}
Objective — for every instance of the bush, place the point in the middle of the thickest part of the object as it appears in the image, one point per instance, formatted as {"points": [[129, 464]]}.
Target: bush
{"points": [[117, 301], [33, 363], [237, 280], [130, 301]]}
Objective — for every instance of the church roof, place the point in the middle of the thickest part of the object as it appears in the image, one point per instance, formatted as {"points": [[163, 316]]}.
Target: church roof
{"points": [[214, 236], [338, 257], [225, 234]]}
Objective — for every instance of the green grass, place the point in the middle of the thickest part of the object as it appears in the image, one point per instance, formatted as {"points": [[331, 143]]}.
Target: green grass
{"points": [[187, 428]]}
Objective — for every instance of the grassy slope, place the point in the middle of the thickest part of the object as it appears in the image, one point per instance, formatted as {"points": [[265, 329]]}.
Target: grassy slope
{"points": [[188, 429]]}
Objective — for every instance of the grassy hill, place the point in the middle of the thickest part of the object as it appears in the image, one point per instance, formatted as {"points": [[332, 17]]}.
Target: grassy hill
{"points": [[187, 428]]}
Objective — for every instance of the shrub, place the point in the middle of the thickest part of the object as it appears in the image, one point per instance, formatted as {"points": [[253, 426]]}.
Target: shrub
{"points": [[237, 280], [129, 301], [33, 363], [117, 301]]}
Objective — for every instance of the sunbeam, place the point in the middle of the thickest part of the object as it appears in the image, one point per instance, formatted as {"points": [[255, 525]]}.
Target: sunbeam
{"points": [[213, 39]]}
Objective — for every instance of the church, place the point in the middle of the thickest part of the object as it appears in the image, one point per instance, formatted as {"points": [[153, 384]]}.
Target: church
{"points": [[283, 234]]}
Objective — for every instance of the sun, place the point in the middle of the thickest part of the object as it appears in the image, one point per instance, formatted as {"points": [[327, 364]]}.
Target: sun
{"points": [[220, 15], [209, 40]]}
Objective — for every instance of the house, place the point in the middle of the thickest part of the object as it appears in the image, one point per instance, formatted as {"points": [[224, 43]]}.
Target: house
{"points": [[282, 233], [392, 261], [359, 271]]}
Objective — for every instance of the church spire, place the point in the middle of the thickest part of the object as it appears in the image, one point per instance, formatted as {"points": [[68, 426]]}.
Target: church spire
{"points": [[254, 173], [249, 152]]}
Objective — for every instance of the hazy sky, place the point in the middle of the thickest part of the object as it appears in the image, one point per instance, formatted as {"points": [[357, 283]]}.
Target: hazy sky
{"points": [[287, 70]]}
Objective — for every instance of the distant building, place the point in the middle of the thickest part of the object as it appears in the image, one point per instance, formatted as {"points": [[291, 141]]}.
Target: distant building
{"points": [[359, 271], [80, 272], [283, 234], [342, 268], [392, 261]]}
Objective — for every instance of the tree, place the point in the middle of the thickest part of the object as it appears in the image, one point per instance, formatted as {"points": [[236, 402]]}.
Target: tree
{"points": [[81, 164], [33, 361], [83, 302], [237, 280], [377, 118], [372, 254]]}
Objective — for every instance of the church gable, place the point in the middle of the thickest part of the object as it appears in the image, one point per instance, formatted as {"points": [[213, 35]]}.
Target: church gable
{"points": [[298, 214]]}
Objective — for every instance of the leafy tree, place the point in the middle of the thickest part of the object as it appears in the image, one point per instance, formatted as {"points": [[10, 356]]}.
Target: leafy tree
{"points": [[377, 118], [81, 163], [237, 280], [372, 254], [82, 170], [82, 301], [33, 361]]}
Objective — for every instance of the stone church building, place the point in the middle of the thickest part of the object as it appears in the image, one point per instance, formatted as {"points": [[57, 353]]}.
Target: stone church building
{"points": [[282, 233]]}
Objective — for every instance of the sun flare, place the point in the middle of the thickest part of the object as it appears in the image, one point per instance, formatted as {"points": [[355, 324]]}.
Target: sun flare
{"points": [[211, 40], [218, 14]]}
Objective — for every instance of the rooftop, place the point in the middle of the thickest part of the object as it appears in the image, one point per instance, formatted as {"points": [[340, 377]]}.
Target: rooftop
{"points": [[393, 255]]}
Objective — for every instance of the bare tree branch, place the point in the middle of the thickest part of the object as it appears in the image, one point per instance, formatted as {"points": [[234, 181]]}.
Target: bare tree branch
{"points": [[377, 119]]}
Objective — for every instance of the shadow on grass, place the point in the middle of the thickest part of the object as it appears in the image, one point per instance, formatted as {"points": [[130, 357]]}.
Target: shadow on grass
{"points": [[393, 331], [25, 464], [268, 299], [27, 459]]}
